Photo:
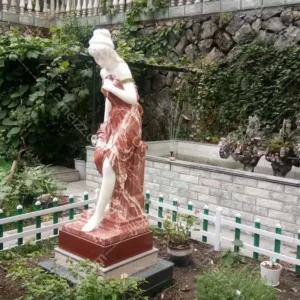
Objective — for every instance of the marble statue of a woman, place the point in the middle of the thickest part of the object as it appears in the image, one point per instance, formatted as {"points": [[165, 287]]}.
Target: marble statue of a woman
{"points": [[119, 153]]}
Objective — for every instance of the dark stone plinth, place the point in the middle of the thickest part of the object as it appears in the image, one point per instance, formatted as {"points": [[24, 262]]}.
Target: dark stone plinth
{"points": [[157, 277]]}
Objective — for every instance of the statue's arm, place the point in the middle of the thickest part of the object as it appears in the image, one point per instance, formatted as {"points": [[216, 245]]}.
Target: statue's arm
{"points": [[107, 109], [128, 94], [107, 102]]}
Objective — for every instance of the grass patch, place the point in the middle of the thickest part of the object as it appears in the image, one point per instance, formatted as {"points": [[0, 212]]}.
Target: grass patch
{"points": [[30, 249], [233, 284]]}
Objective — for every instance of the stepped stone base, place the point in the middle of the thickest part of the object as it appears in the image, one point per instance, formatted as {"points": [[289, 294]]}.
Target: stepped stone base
{"points": [[129, 266], [157, 277], [105, 255]]}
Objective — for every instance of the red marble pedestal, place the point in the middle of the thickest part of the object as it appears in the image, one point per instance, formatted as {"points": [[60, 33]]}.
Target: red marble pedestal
{"points": [[112, 242]]}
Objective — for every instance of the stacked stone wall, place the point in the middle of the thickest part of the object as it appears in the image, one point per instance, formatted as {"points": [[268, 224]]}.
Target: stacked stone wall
{"points": [[213, 37]]}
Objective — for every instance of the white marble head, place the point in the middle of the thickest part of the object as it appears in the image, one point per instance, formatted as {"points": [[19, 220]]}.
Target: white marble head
{"points": [[102, 48]]}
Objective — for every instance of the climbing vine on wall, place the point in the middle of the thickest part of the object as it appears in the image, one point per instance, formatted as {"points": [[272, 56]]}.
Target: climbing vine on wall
{"points": [[39, 99], [258, 80]]}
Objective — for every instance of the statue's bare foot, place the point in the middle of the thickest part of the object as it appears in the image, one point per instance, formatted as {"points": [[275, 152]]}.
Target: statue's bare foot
{"points": [[95, 220], [92, 224]]}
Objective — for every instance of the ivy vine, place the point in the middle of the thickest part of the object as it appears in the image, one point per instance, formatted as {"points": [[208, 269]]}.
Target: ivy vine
{"points": [[38, 98]]}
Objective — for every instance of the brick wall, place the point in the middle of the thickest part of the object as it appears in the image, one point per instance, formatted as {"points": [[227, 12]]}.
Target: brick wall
{"points": [[272, 200]]}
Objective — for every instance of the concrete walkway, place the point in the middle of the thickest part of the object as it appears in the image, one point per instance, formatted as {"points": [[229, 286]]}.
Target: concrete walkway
{"points": [[78, 188]]}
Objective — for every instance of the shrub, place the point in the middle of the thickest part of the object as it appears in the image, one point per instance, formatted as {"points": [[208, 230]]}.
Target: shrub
{"points": [[233, 284], [31, 181], [44, 105], [257, 80]]}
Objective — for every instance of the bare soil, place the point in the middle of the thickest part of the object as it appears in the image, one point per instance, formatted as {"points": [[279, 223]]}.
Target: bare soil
{"points": [[203, 258], [9, 289], [271, 267]]}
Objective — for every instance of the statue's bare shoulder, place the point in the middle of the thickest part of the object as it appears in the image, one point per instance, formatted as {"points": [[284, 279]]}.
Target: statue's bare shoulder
{"points": [[121, 71]]}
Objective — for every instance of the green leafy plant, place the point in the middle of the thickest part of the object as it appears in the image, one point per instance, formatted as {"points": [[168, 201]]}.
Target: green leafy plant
{"points": [[4, 166], [177, 233], [276, 144], [226, 17], [159, 232], [31, 250], [230, 258], [36, 181], [93, 287], [5, 189], [39, 284], [256, 80], [233, 284], [41, 101], [31, 181]]}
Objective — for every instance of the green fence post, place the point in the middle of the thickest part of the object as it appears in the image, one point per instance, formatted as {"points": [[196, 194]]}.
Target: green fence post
{"points": [[147, 202], [237, 231], [20, 224], [55, 216], [256, 238], [297, 269], [190, 207], [71, 211], [1, 228], [86, 198], [38, 220], [205, 224], [160, 210], [174, 214], [277, 242]]}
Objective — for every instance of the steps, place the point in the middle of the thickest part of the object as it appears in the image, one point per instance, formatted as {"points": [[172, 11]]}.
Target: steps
{"points": [[64, 174]]}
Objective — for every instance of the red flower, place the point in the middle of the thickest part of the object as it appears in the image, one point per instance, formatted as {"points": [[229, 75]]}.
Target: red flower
{"points": [[178, 204], [197, 212]]}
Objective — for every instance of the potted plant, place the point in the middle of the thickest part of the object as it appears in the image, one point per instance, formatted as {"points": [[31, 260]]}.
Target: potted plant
{"points": [[270, 272], [245, 145], [282, 150], [179, 246]]}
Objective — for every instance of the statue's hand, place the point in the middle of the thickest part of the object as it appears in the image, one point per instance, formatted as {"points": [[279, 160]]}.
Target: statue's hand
{"points": [[108, 85]]}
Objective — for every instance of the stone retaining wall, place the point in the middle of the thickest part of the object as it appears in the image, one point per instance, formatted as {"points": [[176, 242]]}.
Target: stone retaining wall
{"points": [[212, 37], [272, 200], [25, 29]]}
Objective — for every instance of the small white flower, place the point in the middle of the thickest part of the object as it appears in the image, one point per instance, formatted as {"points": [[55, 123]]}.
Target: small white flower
{"points": [[238, 293]]}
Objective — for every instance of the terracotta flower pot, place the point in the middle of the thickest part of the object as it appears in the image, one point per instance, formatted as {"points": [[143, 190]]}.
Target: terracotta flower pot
{"points": [[180, 255], [269, 275]]}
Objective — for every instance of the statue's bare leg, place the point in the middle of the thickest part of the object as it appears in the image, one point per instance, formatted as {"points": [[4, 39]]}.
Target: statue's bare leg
{"points": [[107, 188]]}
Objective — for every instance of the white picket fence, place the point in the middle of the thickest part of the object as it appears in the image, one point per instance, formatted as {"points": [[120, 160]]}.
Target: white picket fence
{"points": [[215, 238], [9, 239], [218, 240]]}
